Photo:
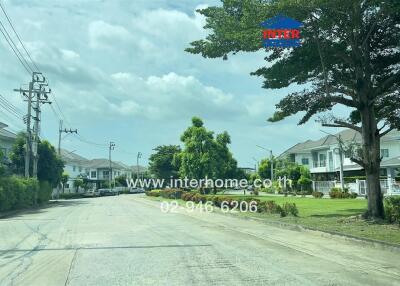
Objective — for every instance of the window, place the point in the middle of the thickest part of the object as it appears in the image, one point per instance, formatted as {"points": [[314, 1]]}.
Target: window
{"points": [[304, 161], [93, 174], [105, 173], [80, 169], [322, 160], [385, 153], [73, 168]]}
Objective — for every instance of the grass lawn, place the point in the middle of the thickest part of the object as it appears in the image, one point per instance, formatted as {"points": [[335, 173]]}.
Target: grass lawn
{"points": [[339, 215]]}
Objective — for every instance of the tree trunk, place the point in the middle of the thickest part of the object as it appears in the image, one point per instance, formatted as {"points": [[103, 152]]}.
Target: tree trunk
{"points": [[372, 161]]}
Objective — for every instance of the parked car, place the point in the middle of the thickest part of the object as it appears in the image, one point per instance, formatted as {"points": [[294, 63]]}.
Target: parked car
{"points": [[106, 192], [136, 190], [92, 193]]}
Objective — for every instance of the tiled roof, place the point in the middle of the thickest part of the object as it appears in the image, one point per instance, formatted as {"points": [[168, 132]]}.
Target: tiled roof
{"points": [[346, 135]]}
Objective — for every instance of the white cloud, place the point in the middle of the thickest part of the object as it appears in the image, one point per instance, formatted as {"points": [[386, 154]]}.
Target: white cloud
{"points": [[102, 34], [69, 55]]}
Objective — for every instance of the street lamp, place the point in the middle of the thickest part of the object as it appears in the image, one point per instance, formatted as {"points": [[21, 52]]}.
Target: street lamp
{"points": [[139, 155], [110, 148], [271, 158], [257, 165], [338, 151]]}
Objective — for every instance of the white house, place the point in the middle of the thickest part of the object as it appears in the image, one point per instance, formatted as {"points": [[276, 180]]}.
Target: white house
{"points": [[7, 139], [322, 158], [97, 171]]}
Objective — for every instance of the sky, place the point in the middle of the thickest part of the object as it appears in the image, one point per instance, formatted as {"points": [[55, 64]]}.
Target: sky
{"points": [[119, 72]]}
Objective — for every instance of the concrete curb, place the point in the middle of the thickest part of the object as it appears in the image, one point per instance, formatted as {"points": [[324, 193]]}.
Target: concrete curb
{"points": [[326, 233]]}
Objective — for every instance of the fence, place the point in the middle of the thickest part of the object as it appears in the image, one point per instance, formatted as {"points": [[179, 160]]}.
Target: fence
{"points": [[388, 186]]}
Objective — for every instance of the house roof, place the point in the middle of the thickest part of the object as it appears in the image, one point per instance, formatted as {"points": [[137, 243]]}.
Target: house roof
{"points": [[71, 156], [347, 135], [5, 133], [391, 162]]}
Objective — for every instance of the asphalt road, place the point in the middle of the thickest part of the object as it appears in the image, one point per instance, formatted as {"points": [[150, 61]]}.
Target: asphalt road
{"points": [[127, 240]]}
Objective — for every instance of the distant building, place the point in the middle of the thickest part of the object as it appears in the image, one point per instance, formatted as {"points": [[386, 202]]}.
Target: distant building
{"points": [[97, 171], [322, 156], [7, 139]]}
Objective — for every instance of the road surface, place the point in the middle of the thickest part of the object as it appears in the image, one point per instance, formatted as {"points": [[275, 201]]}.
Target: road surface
{"points": [[127, 240]]}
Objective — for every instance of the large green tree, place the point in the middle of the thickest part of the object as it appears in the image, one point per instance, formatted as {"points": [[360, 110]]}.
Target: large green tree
{"points": [[50, 166], [163, 163], [197, 156], [349, 56], [205, 155]]}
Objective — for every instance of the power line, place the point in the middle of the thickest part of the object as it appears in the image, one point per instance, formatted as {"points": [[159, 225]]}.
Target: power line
{"points": [[9, 43], [16, 47], [7, 108], [19, 39], [13, 106], [82, 139]]}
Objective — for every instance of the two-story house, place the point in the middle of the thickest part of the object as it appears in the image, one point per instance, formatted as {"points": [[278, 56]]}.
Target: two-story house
{"points": [[7, 139], [96, 171], [323, 159]]}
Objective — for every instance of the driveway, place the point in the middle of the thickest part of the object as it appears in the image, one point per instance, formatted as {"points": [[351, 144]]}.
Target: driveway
{"points": [[127, 240]]}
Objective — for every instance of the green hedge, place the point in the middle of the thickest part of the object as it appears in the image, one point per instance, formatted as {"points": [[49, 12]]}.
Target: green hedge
{"points": [[70, 196], [392, 209], [18, 193], [337, 193]]}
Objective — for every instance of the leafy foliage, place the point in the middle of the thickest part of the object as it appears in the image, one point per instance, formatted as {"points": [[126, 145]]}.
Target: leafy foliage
{"points": [[164, 164], [349, 56], [206, 156], [50, 166]]}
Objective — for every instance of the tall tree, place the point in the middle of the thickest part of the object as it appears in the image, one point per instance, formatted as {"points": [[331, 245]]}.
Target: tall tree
{"points": [[163, 163], [226, 165], [349, 56], [50, 166], [197, 156]]}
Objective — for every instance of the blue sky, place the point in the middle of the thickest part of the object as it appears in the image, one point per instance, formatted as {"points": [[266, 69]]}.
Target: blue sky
{"points": [[119, 72]]}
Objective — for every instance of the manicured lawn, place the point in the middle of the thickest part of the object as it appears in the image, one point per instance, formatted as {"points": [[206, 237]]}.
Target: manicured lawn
{"points": [[310, 207], [340, 215]]}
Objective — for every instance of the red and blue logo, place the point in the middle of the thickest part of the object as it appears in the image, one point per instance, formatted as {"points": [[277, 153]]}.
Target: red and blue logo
{"points": [[281, 32]]}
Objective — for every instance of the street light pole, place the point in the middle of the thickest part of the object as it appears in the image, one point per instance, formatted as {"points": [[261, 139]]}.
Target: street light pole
{"points": [[139, 155], [340, 153], [110, 148], [271, 157]]}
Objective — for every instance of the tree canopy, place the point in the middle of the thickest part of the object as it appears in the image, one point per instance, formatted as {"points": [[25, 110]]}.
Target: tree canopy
{"points": [[349, 56], [50, 166], [163, 164], [205, 155]]}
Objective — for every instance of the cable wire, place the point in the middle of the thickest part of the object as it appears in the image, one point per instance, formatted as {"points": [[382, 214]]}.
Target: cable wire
{"points": [[19, 38], [8, 41]]}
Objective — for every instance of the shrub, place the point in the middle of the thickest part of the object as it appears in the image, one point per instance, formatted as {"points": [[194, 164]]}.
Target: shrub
{"points": [[71, 196], [154, 193], [290, 208], [337, 193], [392, 209], [304, 193], [317, 195], [17, 193]]}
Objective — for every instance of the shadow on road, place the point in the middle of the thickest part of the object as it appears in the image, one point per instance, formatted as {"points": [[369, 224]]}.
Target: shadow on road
{"points": [[41, 209]]}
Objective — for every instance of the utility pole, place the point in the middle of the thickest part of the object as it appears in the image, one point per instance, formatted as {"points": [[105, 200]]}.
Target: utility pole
{"points": [[37, 77], [61, 131], [28, 131], [110, 148], [139, 155], [341, 162], [271, 157], [36, 128]]}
